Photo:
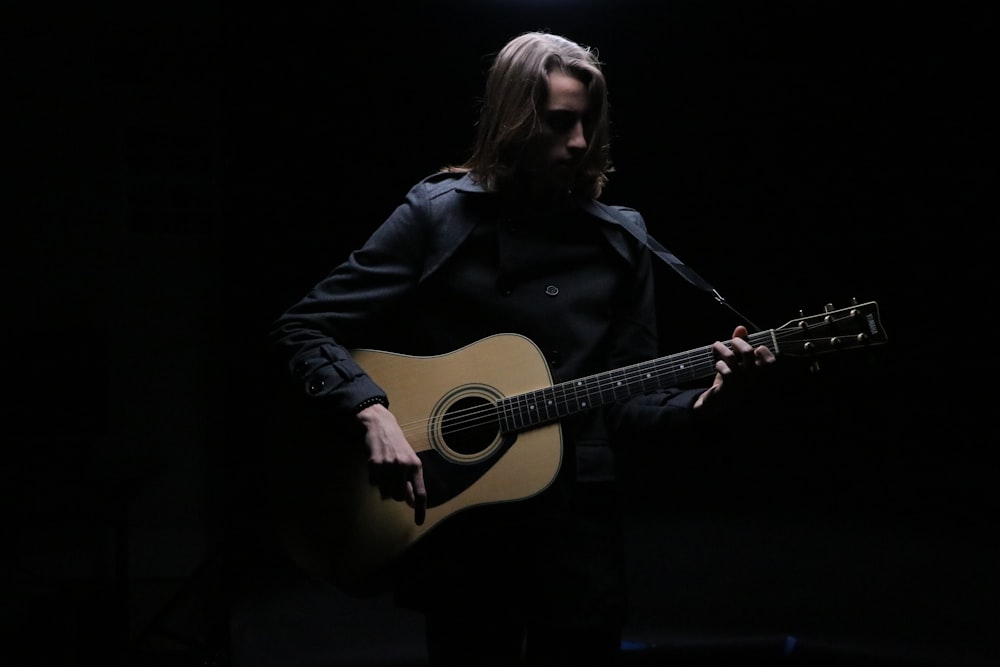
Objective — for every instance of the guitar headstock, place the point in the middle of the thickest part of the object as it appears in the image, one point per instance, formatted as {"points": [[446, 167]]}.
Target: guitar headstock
{"points": [[833, 330]]}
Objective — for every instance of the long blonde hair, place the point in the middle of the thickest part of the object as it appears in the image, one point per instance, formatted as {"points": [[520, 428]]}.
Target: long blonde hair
{"points": [[516, 89]]}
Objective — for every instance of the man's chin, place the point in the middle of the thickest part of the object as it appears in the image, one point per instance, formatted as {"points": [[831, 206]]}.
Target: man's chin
{"points": [[564, 174], [557, 178]]}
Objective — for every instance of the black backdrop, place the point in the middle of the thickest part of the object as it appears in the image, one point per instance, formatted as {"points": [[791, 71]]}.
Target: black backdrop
{"points": [[183, 173]]}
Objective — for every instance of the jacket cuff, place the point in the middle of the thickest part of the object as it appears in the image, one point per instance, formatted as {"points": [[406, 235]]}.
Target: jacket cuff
{"points": [[368, 402]]}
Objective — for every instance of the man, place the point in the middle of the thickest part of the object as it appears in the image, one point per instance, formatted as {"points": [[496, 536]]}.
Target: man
{"points": [[514, 240]]}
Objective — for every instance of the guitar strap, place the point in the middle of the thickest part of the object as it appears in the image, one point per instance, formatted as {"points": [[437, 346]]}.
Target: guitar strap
{"points": [[685, 271]]}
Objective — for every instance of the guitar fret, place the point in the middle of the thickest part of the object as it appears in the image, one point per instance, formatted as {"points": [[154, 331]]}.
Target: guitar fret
{"points": [[559, 394], [524, 412], [548, 404], [602, 389], [672, 378], [617, 381], [581, 399], [647, 380], [506, 415], [515, 414], [533, 408]]}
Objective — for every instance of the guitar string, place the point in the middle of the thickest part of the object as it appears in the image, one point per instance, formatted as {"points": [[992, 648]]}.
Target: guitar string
{"points": [[564, 394], [653, 369], [642, 373]]}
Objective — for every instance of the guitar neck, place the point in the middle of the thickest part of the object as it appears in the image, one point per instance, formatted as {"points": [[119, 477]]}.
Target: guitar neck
{"points": [[543, 406]]}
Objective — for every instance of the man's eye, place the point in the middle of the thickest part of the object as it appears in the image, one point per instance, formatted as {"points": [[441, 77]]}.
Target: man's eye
{"points": [[561, 122]]}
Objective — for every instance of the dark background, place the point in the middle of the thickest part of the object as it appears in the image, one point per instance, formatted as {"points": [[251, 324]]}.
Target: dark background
{"points": [[181, 174]]}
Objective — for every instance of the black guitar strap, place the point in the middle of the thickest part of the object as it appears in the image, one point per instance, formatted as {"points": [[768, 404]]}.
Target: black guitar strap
{"points": [[686, 272]]}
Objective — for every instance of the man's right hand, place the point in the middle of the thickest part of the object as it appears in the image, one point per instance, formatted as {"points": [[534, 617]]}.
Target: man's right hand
{"points": [[393, 465]]}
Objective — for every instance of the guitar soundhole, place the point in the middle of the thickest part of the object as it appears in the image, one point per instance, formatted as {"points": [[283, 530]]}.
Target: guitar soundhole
{"points": [[470, 426]]}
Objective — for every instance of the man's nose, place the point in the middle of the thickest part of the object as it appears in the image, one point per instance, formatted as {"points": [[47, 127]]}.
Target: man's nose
{"points": [[577, 138]]}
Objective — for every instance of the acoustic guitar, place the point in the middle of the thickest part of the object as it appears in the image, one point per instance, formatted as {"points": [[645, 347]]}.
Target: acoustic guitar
{"points": [[485, 420]]}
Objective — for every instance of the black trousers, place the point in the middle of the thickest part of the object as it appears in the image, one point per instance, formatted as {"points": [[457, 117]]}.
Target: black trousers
{"points": [[539, 582]]}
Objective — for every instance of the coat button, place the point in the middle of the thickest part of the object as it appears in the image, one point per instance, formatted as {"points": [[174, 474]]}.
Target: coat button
{"points": [[552, 290], [316, 386]]}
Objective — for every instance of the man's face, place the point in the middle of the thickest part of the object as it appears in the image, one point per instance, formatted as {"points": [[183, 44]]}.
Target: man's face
{"points": [[556, 153]]}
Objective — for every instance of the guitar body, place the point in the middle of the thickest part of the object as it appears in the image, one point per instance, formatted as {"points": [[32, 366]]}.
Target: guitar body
{"points": [[345, 532]]}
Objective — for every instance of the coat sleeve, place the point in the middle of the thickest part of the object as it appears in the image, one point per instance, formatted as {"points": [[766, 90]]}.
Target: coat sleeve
{"points": [[313, 336], [662, 414]]}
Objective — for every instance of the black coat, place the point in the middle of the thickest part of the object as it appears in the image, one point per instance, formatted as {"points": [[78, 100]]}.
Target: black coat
{"points": [[452, 265]]}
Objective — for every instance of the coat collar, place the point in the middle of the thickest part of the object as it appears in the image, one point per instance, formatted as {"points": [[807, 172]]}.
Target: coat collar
{"points": [[627, 219], [590, 206]]}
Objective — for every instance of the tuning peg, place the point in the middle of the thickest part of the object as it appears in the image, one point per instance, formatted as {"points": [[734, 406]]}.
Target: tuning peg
{"points": [[828, 308]]}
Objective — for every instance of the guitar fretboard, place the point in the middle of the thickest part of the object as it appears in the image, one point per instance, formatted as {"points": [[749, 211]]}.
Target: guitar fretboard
{"points": [[543, 406]]}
